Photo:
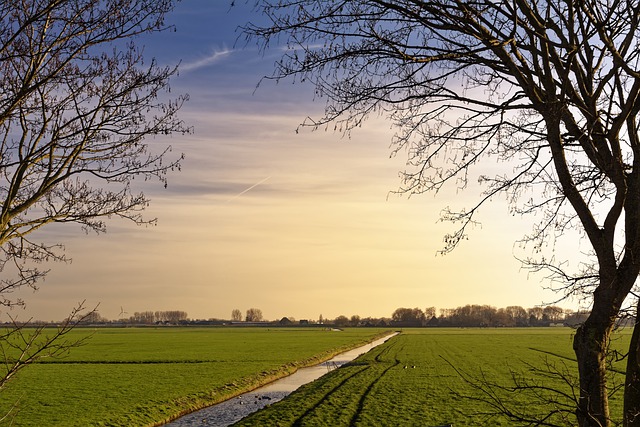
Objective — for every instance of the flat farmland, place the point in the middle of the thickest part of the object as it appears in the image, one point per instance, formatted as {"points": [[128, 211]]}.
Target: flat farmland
{"points": [[416, 379], [142, 376]]}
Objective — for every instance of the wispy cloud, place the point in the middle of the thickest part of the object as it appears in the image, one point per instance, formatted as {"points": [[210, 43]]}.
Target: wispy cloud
{"points": [[214, 57]]}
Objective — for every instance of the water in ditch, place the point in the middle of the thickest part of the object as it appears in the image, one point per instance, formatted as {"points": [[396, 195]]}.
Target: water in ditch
{"points": [[233, 410]]}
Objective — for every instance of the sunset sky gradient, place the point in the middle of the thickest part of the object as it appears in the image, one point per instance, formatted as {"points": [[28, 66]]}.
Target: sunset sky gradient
{"points": [[296, 224]]}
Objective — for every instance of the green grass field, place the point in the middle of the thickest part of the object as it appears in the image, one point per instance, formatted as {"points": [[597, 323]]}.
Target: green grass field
{"points": [[415, 380], [140, 376]]}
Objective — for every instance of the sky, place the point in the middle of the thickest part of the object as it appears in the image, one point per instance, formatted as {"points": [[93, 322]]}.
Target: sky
{"points": [[297, 224]]}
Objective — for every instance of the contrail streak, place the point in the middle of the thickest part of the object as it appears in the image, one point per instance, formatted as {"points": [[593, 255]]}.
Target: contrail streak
{"points": [[248, 189]]}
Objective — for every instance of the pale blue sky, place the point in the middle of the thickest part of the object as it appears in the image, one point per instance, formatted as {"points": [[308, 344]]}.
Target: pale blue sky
{"points": [[296, 224]]}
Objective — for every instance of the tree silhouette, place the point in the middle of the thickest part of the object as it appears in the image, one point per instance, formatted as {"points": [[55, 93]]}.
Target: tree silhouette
{"points": [[548, 88], [236, 315], [77, 102], [253, 315]]}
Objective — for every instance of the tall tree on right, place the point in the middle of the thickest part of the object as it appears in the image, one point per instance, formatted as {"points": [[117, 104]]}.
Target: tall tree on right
{"points": [[551, 88]]}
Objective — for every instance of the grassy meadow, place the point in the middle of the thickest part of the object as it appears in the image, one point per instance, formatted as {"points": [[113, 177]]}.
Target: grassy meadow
{"points": [[142, 376], [416, 379]]}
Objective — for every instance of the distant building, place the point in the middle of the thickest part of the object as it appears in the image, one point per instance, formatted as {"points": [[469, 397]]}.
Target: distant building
{"points": [[285, 321]]}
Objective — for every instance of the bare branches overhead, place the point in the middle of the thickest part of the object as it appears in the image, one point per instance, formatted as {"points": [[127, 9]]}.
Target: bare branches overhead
{"points": [[548, 88], [77, 104]]}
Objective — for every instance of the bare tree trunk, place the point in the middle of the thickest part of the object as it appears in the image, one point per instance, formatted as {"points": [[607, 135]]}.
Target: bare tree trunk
{"points": [[632, 379], [590, 345]]}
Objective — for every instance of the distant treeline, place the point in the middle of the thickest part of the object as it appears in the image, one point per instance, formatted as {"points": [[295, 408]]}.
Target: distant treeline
{"points": [[141, 317], [464, 316], [489, 316], [471, 316]]}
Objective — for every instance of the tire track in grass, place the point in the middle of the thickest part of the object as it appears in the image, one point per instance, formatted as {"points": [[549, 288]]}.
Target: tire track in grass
{"points": [[298, 421], [365, 367], [385, 350], [367, 391]]}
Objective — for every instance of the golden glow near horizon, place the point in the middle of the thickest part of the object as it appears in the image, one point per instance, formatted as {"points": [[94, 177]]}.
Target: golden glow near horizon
{"points": [[296, 224]]}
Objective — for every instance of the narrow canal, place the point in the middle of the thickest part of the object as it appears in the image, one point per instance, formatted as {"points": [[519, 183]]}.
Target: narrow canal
{"points": [[233, 410]]}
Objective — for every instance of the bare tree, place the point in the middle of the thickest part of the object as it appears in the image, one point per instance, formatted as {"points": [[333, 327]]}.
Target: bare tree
{"points": [[409, 316], [341, 321], [236, 315], [535, 315], [553, 313], [430, 313], [549, 88], [93, 318], [518, 315], [77, 103], [143, 317], [253, 315], [175, 316], [354, 320]]}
